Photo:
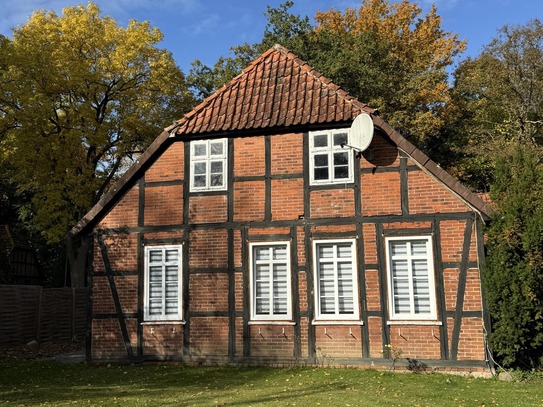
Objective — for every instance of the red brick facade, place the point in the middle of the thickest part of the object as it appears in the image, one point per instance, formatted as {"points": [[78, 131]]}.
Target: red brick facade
{"points": [[217, 322], [265, 197]]}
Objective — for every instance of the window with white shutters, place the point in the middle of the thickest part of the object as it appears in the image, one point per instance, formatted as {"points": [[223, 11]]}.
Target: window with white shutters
{"points": [[411, 278], [270, 281], [208, 159], [330, 163], [162, 283], [336, 292]]}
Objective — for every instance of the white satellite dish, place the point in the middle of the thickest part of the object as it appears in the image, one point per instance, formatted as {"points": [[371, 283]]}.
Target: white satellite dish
{"points": [[361, 132]]}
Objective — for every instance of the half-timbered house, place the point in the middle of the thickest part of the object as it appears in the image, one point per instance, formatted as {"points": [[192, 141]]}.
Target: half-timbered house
{"points": [[249, 233]]}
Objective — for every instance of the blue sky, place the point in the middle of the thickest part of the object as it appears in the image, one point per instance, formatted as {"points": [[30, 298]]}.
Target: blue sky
{"points": [[205, 30]]}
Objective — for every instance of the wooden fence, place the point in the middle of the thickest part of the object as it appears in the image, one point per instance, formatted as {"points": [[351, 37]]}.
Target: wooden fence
{"points": [[44, 314]]}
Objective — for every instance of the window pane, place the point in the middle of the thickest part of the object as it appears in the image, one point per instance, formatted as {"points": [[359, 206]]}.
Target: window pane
{"points": [[171, 273], [216, 180], [418, 248], [344, 250], [216, 167], [401, 305], [200, 168], [262, 253], [345, 288], [344, 270], [321, 173], [341, 159], [420, 268], [155, 290], [328, 305], [326, 271], [155, 307], [340, 138], [171, 290], [398, 248], [262, 271], [346, 305], [341, 172], [422, 305], [280, 272], [399, 268], [421, 287], [172, 255], [155, 256], [217, 148], [320, 140], [200, 181], [280, 306], [263, 289], [200, 149], [327, 288], [262, 306], [155, 274], [172, 306], [280, 253], [325, 252], [321, 160]]}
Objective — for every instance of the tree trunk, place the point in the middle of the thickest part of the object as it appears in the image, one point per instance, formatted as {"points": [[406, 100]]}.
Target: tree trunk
{"points": [[76, 252]]}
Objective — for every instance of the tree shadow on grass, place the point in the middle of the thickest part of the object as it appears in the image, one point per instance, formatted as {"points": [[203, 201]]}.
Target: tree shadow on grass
{"points": [[34, 382]]}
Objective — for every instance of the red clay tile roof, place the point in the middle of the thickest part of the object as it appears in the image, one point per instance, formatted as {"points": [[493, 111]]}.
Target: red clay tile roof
{"points": [[276, 90]]}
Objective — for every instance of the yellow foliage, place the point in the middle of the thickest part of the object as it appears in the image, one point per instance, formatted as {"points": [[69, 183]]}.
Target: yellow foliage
{"points": [[421, 51]]}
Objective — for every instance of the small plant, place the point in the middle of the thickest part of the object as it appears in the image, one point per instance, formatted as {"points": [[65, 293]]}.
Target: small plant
{"points": [[416, 366], [393, 354], [323, 359]]}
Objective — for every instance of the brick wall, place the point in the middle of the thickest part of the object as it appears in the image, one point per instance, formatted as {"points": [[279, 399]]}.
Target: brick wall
{"points": [[209, 261]]}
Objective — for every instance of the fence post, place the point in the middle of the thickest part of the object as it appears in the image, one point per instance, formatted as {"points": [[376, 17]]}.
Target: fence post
{"points": [[38, 325]]}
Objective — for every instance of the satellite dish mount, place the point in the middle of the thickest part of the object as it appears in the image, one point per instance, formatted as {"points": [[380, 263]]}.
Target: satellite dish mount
{"points": [[360, 134]]}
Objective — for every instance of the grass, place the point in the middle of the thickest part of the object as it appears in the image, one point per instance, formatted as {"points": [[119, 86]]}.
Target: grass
{"points": [[32, 383]]}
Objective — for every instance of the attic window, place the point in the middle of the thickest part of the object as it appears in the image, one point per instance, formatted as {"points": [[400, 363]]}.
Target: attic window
{"points": [[208, 159], [330, 163]]}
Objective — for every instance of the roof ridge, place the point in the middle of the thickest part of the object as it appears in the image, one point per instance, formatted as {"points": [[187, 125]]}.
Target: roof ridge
{"points": [[230, 84], [302, 64], [322, 78]]}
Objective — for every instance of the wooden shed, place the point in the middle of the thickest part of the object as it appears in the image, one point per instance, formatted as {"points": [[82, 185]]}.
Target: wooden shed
{"points": [[249, 233]]}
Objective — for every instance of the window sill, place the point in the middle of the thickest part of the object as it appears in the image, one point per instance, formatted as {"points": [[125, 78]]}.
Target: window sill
{"points": [[264, 322], [163, 322], [353, 322], [414, 322]]}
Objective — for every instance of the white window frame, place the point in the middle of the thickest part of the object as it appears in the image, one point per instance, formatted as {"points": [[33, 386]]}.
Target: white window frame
{"points": [[178, 316], [337, 316], [207, 159], [329, 150], [412, 315], [271, 316]]}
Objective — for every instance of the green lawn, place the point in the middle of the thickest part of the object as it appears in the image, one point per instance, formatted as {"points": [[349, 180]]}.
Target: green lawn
{"points": [[31, 383]]}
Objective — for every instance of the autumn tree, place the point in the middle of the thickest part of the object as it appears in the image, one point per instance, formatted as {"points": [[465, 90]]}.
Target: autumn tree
{"points": [[387, 55], [501, 96], [407, 67], [79, 96]]}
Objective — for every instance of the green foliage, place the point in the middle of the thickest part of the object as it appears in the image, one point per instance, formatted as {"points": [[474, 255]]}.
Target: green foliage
{"points": [[513, 275], [79, 95], [500, 100], [387, 55]]}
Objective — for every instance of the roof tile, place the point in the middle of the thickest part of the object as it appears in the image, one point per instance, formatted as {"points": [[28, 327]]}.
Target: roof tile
{"points": [[277, 89]]}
